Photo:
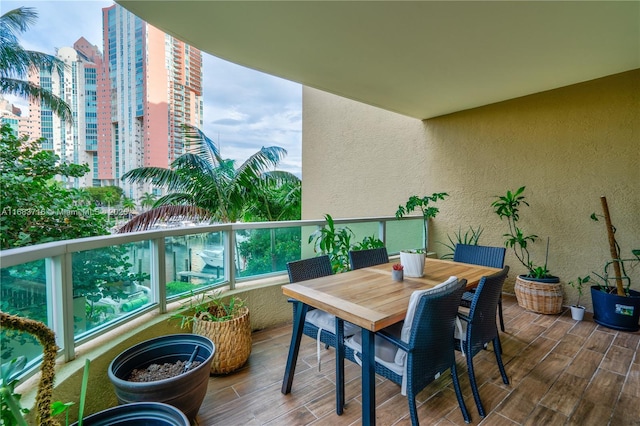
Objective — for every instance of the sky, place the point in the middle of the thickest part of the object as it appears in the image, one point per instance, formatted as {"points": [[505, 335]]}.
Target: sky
{"points": [[244, 109]]}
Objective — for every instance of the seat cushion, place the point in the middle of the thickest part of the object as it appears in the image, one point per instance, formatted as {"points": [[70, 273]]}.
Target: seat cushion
{"points": [[385, 351], [411, 310], [327, 321]]}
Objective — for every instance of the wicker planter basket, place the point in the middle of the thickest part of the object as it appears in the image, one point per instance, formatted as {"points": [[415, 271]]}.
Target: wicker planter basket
{"points": [[540, 297], [232, 339]]}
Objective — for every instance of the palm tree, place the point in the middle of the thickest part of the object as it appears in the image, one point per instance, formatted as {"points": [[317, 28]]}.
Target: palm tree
{"points": [[15, 63], [147, 200], [203, 185]]}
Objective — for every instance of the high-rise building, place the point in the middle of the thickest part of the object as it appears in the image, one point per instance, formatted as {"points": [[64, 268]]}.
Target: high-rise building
{"points": [[155, 86], [78, 85]]}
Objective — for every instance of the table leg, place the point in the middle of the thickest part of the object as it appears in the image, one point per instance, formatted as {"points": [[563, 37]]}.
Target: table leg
{"points": [[294, 347], [339, 366], [368, 378]]}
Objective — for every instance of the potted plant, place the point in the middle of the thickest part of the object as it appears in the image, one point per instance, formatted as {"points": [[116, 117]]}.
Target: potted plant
{"points": [[226, 322], [397, 273], [13, 413], [537, 290], [615, 306], [413, 259], [336, 243], [577, 310]]}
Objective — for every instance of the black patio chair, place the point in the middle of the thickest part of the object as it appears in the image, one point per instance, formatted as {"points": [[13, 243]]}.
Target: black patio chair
{"points": [[416, 352], [369, 257], [318, 324], [479, 328], [480, 255]]}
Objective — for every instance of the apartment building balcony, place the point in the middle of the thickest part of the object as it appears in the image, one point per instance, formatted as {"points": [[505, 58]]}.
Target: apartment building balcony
{"points": [[561, 371]]}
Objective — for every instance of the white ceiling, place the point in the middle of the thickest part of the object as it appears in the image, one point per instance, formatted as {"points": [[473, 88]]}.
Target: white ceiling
{"points": [[418, 58]]}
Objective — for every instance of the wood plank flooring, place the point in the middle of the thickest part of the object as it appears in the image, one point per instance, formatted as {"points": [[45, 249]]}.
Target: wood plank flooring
{"points": [[561, 372]]}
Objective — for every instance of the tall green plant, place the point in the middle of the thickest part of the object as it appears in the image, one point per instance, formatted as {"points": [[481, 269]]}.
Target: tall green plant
{"points": [[334, 242], [508, 207], [470, 237], [428, 211]]}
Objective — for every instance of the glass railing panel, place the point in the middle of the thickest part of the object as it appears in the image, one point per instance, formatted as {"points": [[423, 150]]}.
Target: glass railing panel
{"points": [[194, 262], [264, 251], [23, 292], [404, 234], [109, 284]]}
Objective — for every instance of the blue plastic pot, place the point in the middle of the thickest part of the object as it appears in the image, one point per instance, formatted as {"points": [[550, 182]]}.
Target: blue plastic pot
{"points": [[139, 413], [616, 312]]}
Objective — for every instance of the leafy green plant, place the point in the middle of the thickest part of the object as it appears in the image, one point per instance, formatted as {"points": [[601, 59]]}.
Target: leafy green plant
{"points": [[11, 412], [334, 242], [508, 207], [209, 307], [369, 242], [578, 285], [428, 211], [471, 237]]}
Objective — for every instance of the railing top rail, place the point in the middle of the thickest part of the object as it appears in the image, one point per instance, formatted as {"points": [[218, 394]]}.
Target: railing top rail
{"points": [[15, 256]]}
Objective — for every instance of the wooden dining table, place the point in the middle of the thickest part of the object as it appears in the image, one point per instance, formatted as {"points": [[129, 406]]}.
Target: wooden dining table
{"points": [[368, 298]]}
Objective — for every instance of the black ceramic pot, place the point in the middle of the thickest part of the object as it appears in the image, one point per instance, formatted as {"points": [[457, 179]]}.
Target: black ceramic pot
{"points": [[139, 413], [185, 391], [616, 312]]}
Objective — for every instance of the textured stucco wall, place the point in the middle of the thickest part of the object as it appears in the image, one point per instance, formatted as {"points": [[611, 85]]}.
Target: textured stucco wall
{"points": [[568, 146]]}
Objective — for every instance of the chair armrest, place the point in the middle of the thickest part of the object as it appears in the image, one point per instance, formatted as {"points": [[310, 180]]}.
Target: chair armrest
{"points": [[393, 339]]}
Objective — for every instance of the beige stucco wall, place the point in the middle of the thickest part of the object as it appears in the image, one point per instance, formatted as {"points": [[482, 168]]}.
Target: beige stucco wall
{"points": [[568, 146]]}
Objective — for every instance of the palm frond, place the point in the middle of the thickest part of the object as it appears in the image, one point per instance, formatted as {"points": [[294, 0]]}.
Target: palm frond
{"points": [[34, 92], [146, 220], [201, 144]]}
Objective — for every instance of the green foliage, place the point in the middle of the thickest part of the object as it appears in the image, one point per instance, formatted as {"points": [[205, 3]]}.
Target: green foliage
{"points": [[368, 243], [423, 204], [208, 307], [471, 237], [106, 195], [269, 250], [11, 412], [508, 207], [16, 62], [35, 208], [578, 285], [336, 243], [202, 184]]}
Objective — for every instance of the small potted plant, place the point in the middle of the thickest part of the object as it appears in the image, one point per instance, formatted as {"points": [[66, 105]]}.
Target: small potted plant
{"points": [[226, 322], [577, 310], [537, 290], [413, 259], [397, 272]]}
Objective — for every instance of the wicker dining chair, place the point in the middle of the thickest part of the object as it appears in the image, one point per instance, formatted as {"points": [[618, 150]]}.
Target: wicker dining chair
{"points": [[478, 328], [369, 257], [318, 324], [480, 255], [416, 352]]}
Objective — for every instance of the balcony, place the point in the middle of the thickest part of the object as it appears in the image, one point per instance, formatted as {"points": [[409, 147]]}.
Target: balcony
{"points": [[544, 355]]}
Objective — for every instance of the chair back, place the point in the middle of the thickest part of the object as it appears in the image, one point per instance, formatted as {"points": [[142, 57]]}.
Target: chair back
{"points": [[482, 325], [480, 255], [307, 269], [431, 338], [369, 257]]}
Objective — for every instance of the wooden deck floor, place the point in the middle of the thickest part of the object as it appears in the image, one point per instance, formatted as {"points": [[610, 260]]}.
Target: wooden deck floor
{"points": [[561, 372]]}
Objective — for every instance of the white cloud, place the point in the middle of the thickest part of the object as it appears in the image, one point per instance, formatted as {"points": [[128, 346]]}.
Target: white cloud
{"points": [[243, 109]]}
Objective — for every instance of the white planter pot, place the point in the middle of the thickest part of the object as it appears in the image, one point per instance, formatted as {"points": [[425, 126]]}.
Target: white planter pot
{"points": [[577, 312], [413, 263]]}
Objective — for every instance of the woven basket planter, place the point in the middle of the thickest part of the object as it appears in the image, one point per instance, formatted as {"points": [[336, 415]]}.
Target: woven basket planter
{"points": [[232, 339], [540, 297]]}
